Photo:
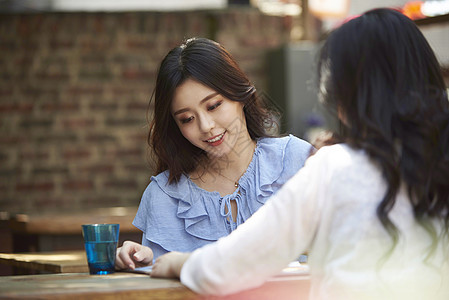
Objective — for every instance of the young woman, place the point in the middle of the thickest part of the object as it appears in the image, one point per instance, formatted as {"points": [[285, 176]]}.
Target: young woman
{"points": [[216, 161], [373, 210]]}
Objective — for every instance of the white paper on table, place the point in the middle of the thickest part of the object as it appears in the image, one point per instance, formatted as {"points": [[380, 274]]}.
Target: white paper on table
{"points": [[141, 270], [295, 268]]}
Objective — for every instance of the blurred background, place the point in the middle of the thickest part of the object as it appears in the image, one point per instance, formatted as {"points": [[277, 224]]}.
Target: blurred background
{"points": [[76, 78]]}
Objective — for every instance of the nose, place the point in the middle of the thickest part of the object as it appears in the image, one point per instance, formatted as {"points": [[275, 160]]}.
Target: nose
{"points": [[206, 122]]}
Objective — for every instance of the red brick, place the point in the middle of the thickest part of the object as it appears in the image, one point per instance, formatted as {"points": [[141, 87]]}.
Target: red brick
{"points": [[140, 43], [138, 168], [140, 138], [100, 138], [56, 45], [50, 170], [93, 59], [56, 138], [140, 106], [121, 184], [30, 155], [98, 24], [103, 106], [120, 91], [38, 91], [78, 123], [136, 152], [98, 169], [6, 91], [11, 140], [136, 74], [76, 154], [36, 123], [54, 76], [125, 122], [78, 185], [94, 44], [26, 27], [142, 90], [16, 108], [57, 107], [25, 61], [35, 187], [80, 91]]}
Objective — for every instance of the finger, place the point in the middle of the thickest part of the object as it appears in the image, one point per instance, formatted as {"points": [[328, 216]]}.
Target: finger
{"points": [[126, 255], [119, 265], [144, 256]]}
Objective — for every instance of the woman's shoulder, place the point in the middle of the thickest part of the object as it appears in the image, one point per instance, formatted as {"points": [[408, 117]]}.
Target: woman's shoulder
{"points": [[289, 147], [284, 141], [341, 152], [343, 158], [276, 160], [160, 186]]}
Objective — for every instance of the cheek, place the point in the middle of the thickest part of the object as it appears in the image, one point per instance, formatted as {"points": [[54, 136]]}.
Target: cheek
{"points": [[187, 132], [184, 131], [231, 114], [236, 118]]}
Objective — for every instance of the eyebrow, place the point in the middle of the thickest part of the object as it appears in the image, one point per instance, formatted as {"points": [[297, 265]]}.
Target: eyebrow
{"points": [[201, 102]]}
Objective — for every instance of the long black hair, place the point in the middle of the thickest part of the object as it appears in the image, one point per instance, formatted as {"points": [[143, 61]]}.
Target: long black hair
{"points": [[209, 63], [381, 77]]}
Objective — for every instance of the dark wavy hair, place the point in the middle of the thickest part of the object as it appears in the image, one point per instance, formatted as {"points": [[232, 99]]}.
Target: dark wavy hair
{"points": [[379, 74], [209, 63]]}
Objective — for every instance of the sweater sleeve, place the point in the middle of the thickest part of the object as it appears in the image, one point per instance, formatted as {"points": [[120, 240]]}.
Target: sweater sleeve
{"points": [[274, 236]]}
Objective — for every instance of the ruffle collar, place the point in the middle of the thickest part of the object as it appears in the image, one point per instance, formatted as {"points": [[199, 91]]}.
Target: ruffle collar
{"points": [[195, 204]]}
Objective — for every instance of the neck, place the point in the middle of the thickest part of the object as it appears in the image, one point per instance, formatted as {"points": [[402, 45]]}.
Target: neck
{"points": [[230, 167], [236, 160]]}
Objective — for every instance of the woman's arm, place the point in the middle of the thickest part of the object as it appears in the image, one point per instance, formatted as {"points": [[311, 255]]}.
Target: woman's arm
{"points": [[169, 265]]}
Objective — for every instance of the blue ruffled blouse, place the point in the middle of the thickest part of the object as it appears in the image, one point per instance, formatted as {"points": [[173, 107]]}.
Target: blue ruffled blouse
{"points": [[183, 217]]}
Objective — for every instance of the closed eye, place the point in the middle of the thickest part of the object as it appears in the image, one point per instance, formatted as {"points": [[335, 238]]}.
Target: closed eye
{"points": [[212, 107], [186, 120]]}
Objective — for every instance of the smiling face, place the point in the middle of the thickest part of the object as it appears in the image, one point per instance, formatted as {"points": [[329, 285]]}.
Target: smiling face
{"points": [[208, 120]]}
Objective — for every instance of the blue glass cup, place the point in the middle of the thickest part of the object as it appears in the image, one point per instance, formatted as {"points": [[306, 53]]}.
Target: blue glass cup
{"points": [[100, 241]]}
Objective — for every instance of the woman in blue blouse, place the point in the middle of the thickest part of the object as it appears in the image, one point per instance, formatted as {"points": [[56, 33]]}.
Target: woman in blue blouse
{"points": [[216, 161]]}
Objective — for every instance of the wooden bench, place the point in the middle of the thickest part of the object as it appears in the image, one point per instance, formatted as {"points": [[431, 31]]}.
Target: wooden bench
{"points": [[47, 262]]}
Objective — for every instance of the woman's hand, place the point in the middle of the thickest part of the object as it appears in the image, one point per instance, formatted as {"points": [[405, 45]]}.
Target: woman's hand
{"points": [[169, 265], [132, 255]]}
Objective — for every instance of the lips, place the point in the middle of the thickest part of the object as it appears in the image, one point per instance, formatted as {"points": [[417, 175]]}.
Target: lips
{"points": [[216, 140]]}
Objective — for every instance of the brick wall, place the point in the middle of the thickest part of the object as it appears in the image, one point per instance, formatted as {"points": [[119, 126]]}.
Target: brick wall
{"points": [[74, 90]]}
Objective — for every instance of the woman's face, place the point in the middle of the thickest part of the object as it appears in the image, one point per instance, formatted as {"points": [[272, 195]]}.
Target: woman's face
{"points": [[208, 120]]}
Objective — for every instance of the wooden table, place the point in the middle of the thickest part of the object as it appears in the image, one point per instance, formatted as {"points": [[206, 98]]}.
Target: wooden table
{"points": [[48, 262], [135, 286], [54, 231]]}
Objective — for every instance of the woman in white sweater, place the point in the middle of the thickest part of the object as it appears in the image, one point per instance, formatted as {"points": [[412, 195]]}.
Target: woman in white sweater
{"points": [[373, 209]]}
